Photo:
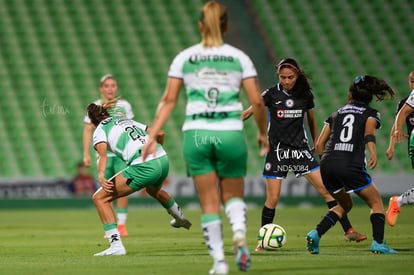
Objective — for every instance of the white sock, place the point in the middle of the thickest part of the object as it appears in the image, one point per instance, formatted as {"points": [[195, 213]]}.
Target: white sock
{"points": [[213, 235], [406, 198], [175, 211], [113, 237], [122, 218], [236, 211]]}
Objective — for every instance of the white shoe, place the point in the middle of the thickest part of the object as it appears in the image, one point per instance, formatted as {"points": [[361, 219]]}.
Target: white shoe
{"points": [[180, 223], [219, 268], [112, 251]]}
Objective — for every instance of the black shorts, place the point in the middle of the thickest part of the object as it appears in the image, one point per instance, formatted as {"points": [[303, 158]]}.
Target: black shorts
{"points": [[337, 175], [279, 161]]}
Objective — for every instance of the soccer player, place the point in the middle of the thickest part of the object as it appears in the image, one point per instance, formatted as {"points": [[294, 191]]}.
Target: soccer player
{"points": [[406, 111], [409, 121], [288, 103], [126, 138], [109, 88], [214, 145], [344, 137]]}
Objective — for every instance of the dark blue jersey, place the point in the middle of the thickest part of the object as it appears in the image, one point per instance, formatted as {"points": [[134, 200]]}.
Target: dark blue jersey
{"points": [[286, 117], [346, 141]]}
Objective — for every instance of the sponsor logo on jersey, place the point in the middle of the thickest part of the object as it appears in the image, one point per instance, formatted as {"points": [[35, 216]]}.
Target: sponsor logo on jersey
{"points": [[411, 119], [289, 103], [289, 113], [199, 58], [268, 166]]}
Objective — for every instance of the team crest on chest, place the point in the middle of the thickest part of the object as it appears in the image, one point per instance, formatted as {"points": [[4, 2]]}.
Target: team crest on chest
{"points": [[289, 103]]}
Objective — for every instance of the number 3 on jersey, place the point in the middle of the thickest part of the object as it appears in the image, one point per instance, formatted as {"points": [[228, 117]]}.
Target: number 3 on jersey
{"points": [[348, 126]]}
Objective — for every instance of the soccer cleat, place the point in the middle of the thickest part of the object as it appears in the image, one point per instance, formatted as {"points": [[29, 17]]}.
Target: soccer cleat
{"points": [[392, 211], [241, 251], [219, 268], [122, 230], [381, 248], [259, 247], [112, 251], [312, 239], [180, 223], [352, 235]]}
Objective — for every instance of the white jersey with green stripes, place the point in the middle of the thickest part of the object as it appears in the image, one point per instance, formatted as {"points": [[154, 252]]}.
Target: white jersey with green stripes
{"points": [[212, 77], [122, 108], [125, 138]]}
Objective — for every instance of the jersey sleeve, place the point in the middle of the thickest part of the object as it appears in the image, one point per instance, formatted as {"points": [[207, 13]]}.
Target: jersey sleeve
{"points": [[99, 136], [310, 104], [265, 96], [377, 116], [87, 120], [249, 70], [128, 111], [401, 104], [410, 100], [176, 67], [329, 121]]}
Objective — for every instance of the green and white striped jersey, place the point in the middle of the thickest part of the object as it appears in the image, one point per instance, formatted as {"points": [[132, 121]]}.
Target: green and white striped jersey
{"points": [[122, 108], [125, 138], [212, 77]]}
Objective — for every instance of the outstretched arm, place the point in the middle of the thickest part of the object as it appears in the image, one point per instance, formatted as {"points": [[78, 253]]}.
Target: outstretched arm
{"points": [[101, 148], [313, 127], [258, 109], [87, 135], [322, 139], [399, 122], [246, 114], [370, 128], [165, 108]]}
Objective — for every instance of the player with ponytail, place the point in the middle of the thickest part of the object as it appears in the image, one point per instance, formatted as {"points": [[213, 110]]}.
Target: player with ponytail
{"points": [[214, 145], [346, 135]]}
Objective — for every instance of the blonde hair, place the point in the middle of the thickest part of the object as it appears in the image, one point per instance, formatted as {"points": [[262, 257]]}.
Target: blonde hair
{"points": [[214, 19]]}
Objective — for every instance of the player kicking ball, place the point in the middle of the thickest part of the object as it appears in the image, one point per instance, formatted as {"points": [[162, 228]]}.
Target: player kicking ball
{"points": [[125, 138]]}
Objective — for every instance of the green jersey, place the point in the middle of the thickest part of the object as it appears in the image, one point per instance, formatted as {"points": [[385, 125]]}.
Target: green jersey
{"points": [[212, 77], [125, 138], [122, 108]]}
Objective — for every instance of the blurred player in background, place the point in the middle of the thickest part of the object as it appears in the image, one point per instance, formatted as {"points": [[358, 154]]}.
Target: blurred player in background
{"points": [[405, 113], [126, 138], [109, 88], [83, 183], [289, 102], [409, 121], [214, 145], [342, 142]]}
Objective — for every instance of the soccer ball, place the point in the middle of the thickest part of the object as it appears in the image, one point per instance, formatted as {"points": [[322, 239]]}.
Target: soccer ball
{"points": [[272, 236]]}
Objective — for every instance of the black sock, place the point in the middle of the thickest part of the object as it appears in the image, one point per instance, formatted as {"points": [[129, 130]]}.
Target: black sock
{"points": [[267, 215], [378, 223], [345, 223], [327, 222]]}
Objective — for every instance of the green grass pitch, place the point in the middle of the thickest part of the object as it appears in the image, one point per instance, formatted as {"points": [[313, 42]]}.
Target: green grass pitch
{"points": [[61, 242]]}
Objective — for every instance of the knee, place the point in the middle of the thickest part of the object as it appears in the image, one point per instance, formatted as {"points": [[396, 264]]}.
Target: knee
{"points": [[347, 206], [99, 197]]}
